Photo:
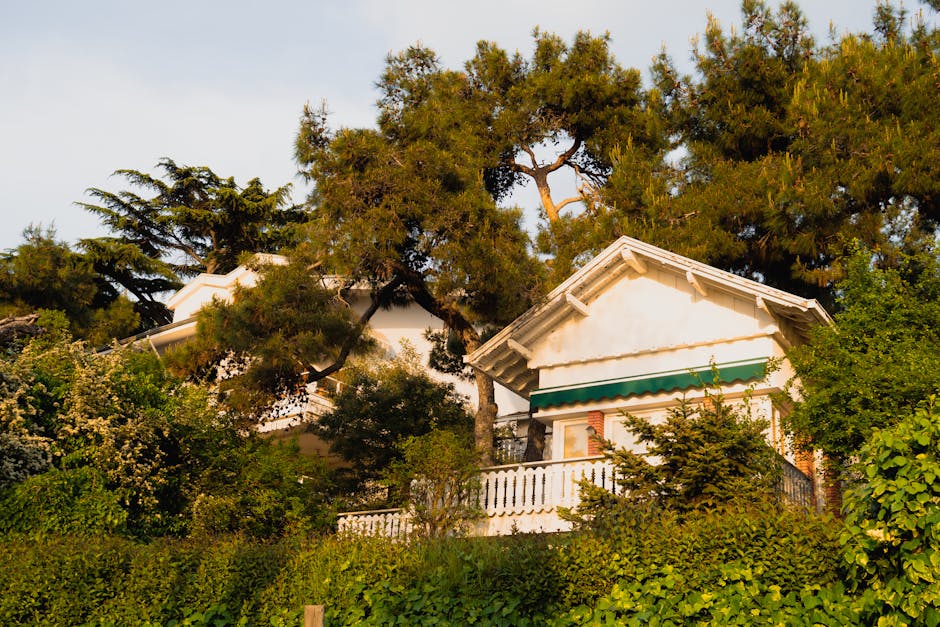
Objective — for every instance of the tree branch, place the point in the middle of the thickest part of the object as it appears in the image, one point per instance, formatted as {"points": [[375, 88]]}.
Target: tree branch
{"points": [[563, 157], [567, 201], [531, 153], [378, 299]]}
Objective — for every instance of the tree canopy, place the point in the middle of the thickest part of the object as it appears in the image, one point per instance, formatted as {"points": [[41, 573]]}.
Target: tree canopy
{"points": [[293, 327], [189, 221], [379, 406], [879, 362], [789, 152], [407, 213], [44, 273]]}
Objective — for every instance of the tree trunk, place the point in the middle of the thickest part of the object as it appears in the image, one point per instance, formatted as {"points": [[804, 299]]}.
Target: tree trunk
{"points": [[545, 194], [484, 418], [414, 282], [534, 442]]}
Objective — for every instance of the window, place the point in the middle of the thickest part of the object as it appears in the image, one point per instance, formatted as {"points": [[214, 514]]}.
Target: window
{"points": [[576, 439]]}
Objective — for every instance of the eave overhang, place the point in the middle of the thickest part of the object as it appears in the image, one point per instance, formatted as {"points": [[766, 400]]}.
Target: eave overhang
{"points": [[506, 356]]}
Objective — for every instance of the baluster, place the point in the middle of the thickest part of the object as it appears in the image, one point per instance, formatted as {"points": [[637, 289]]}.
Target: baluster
{"points": [[495, 492], [528, 500], [559, 477], [538, 499], [499, 483]]}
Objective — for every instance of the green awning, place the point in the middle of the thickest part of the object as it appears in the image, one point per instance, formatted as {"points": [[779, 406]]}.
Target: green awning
{"points": [[652, 383]]}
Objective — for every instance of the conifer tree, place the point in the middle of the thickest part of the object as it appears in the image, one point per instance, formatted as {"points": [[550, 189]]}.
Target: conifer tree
{"points": [[790, 152], [403, 208], [46, 274], [195, 221]]}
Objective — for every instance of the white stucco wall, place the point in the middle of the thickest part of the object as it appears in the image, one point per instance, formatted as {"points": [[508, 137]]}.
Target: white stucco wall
{"points": [[392, 326], [202, 289], [645, 314], [653, 323], [408, 323]]}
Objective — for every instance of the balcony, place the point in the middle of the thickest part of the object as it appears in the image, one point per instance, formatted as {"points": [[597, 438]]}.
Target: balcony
{"points": [[514, 497], [526, 497], [309, 402]]}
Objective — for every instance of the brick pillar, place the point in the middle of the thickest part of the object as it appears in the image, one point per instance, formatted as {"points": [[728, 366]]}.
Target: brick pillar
{"points": [[804, 461], [595, 420], [832, 488]]}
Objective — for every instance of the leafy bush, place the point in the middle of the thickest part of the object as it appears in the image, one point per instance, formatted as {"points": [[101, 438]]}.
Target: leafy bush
{"points": [[738, 597], [779, 547], [380, 406], [892, 519], [706, 455], [73, 501], [440, 477], [659, 565], [83, 436]]}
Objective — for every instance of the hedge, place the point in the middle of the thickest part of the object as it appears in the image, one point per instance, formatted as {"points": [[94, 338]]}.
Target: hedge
{"points": [[702, 567]]}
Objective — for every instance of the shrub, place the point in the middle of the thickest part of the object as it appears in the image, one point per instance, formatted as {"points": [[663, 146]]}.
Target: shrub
{"points": [[705, 455], [738, 597], [439, 474], [705, 567], [892, 519], [779, 547], [70, 502]]}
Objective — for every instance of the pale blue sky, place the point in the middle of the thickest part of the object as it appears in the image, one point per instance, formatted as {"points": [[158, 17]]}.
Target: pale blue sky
{"points": [[90, 87]]}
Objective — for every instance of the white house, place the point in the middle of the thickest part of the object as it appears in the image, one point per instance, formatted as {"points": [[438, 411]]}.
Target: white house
{"points": [[633, 330], [392, 328]]}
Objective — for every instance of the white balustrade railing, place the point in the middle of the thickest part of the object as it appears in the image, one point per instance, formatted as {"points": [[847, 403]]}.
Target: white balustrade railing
{"points": [[505, 491], [540, 486], [391, 523]]}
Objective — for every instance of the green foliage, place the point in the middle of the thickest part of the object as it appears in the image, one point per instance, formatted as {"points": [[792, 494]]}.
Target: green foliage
{"points": [[45, 274], [739, 597], [22, 455], [262, 489], [382, 404], [892, 519], [439, 474], [788, 549], [705, 455], [403, 208], [791, 151], [572, 99], [84, 434], [195, 222], [880, 360], [753, 559], [272, 337], [75, 501]]}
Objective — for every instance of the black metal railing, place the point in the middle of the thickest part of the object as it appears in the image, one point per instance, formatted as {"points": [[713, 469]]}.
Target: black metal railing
{"points": [[795, 488]]}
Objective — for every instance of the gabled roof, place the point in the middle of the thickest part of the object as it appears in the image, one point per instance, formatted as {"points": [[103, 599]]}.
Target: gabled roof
{"points": [[506, 355], [241, 274]]}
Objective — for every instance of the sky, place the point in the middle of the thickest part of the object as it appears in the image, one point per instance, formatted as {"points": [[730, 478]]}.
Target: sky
{"points": [[87, 88]]}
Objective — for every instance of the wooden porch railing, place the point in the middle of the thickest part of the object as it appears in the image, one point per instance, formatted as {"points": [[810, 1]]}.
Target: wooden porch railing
{"points": [[532, 488], [541, 488]]}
